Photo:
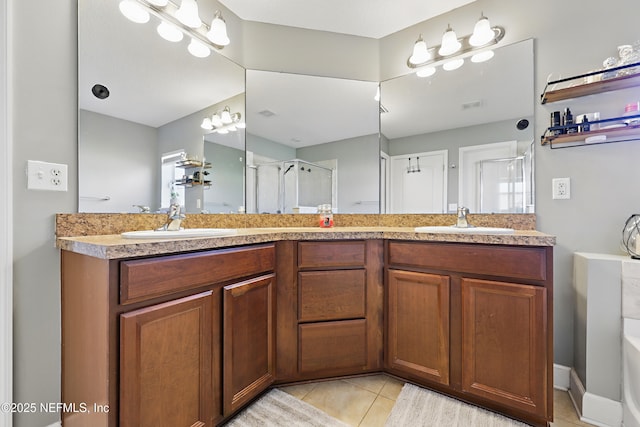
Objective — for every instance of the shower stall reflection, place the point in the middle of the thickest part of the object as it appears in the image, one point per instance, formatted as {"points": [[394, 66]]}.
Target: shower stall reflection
{"points": [[293, 186], [503, 185]]}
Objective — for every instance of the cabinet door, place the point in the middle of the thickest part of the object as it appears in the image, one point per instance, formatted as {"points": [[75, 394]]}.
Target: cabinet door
{"points": [[503, 343], [248, 340], [165, 364], [418, 325]]}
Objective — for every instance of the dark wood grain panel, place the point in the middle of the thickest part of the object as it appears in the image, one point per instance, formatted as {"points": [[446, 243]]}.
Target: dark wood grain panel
{"points": [[152, 277], [332, 345], [331, 254], [331, 295], [494, 260]]}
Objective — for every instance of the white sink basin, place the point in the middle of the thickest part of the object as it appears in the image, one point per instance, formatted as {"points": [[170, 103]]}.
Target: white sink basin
{"points": [[187, 232], [470, 230]]}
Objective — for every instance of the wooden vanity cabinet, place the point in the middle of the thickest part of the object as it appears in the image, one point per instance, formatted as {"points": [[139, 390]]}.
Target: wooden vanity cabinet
{"points": [[171, 340], [329, 308], [473, 321]]}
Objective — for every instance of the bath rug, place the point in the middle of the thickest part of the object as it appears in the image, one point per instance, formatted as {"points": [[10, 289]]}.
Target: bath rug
{"points": [[418, 407], [279, 409]]}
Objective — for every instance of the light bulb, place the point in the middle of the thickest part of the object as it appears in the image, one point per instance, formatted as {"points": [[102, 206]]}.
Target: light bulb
{"points": [[134, 11], [198, 49], [482, 32], [420, 52], [426, 71], [226, 116], [454, 64], [188, 14], [241, 125], [218, 31], [159, 3], [482, 56], [450, 43], [206, 124], [169, 32], [216, 121]]}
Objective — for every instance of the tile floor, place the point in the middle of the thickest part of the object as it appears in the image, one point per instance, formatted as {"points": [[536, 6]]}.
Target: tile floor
{"points": [[367, 401]]}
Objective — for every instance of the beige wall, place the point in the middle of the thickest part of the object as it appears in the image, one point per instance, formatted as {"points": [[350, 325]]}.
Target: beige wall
{"points": [[570, 37]]}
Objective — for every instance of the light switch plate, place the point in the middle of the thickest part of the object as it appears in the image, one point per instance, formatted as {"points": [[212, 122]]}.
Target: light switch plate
{"points": [[46, 176]]}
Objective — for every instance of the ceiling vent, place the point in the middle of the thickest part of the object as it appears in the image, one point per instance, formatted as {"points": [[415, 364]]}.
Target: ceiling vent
{"points": [[267, 113]]}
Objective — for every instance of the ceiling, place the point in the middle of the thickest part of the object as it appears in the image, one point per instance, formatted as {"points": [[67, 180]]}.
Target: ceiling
{"points": [[366, 18]]}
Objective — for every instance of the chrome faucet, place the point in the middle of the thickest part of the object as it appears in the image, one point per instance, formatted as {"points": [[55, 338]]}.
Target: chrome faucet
{"points": [[462, 218], [143, 209], [174, 218]]}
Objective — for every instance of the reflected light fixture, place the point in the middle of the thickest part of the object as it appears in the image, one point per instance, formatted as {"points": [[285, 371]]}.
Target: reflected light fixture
{"points": [[170, 32], [188, 14], [178, 21], [454, 64], [134, 11], [223, 122], [198, 49], [452, 51]]}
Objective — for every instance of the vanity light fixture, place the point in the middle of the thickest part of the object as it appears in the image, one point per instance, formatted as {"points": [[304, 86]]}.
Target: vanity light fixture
{"points": [[218, 30], [450, 43], [452, 51], [188, 14], [223, 122], [178, 21]]}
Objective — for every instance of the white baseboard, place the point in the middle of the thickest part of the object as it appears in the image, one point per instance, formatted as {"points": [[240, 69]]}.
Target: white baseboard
{"points": [[593, 409], [56, 424], [561, 377]]}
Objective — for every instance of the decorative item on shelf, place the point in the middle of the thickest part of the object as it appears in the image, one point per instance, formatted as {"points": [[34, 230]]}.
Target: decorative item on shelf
{"points": [[325, 216], [609, 63], [632, 111], [630, 239], [452, 51], [223, 122], [628, 54], [176, 22]]}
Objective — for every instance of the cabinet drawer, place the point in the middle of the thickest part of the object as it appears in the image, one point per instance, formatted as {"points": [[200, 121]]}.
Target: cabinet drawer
{"points": [[332, 345], [508, 261], [153, 277], [331, 254], [331, 295]]}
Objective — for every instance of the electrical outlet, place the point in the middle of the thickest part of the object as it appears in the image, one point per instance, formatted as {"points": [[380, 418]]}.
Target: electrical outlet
{"points": [[561, 188], [46, 176]]}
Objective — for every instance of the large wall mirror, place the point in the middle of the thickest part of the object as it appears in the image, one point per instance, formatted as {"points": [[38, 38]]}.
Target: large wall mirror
{"points": [[130, 142], [461, 137], [311, 141]]}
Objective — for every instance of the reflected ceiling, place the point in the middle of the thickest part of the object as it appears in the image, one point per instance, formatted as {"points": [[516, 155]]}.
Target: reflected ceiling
{"points": [[150, 89]]}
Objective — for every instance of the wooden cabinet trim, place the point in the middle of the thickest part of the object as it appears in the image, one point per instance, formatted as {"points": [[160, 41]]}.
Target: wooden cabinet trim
{"points": [[143, 328], [153, 277], [315, 254], [518, 262], [509, 319], [331, 295]]}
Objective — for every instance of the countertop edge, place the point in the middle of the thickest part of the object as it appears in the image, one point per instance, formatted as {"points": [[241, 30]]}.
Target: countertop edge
{"points": [[116, 247]]}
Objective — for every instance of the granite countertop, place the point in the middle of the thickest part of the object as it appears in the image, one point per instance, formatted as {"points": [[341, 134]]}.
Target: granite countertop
{"points": [[113, 246]]}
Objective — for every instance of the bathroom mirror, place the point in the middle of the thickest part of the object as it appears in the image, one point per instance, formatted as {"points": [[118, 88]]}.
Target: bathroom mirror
{"points": [[311, 140], [158, 95], [461, 137]]}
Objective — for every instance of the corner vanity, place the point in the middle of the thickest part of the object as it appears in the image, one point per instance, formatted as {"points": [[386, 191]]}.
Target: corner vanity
{"points": [[187, 332]]}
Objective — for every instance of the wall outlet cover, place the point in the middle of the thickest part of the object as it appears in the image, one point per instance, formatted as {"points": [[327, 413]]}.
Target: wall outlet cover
{"points": [[47, 176], [561, 188]]}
